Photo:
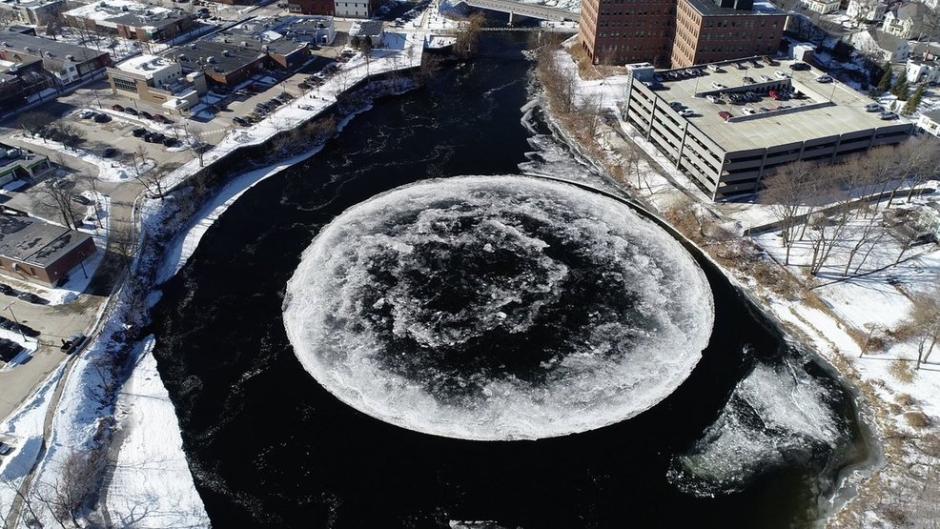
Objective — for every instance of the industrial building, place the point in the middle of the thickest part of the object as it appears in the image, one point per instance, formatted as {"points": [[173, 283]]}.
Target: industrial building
{"points": [[35, 12], [221, 63], [728, 125], [36, 251], [131, 20]]}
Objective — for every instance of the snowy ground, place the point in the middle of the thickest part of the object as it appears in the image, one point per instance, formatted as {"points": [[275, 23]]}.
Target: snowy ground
{"points": [[109, 170], [151, 486], [23, 430]]}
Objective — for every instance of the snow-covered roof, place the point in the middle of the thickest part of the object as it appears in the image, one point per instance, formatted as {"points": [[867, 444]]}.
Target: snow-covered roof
{"points": [[146, 65], [103, 10]]}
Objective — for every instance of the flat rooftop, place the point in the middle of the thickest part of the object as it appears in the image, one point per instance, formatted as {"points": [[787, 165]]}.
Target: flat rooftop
{"points": [[33, 241], [52, 49], [216, 56], [107, 9], [710, 8], [829, 109]]}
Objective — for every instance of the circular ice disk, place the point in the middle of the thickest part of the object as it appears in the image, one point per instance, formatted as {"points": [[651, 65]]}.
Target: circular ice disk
{"points": [[497, 308]]}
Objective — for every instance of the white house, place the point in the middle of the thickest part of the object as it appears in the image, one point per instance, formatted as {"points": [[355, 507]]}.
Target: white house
{"points": [[353, 8], [907, 21], [822, 7], [866, 10], [929, 122], [881, 46], [924, 64]]}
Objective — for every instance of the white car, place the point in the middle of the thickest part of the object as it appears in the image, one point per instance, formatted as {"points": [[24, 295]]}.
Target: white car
{"points": [[766, 78], [873, 107], [824, 79], [717, 85], [781, 74], [749, 110], [686, 112]]}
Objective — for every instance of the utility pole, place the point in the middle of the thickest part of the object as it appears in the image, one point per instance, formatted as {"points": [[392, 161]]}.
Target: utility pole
{"points": [[19, 328]]}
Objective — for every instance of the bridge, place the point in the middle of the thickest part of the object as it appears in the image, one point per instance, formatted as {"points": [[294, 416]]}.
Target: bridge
{"points": [[527, 10]]}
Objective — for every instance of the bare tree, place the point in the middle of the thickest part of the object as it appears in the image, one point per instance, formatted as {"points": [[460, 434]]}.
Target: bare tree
{"points": [[786, 192], [59, 195], [924, 323], [74, 489], [468, 37], [150, 178]]}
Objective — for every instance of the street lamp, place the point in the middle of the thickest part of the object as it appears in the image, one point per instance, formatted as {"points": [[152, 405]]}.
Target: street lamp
{"points": [[19, 328]]}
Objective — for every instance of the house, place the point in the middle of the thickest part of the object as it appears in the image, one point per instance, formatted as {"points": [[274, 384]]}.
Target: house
{"points": [[924, 64], [929, 122], [880, 46], [823, 7], [130, 20], [35, 12], [157, 80], [367, 29], [866, 10], [67, 63], [908, 21], [40, 252], [224, 64], [16, 163]]}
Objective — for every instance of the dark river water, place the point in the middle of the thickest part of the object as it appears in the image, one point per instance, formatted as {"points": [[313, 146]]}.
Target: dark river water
{"points": [[270, 448]]}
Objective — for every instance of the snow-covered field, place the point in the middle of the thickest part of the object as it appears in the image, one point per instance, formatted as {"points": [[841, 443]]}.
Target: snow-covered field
{"points": [[151, 486]]}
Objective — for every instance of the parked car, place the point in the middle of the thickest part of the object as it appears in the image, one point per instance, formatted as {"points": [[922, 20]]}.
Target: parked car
{"points": [[716, 84], [118, 108], [824, 79], [239, 121], [686, 112], [151, 137], [170, 142], [130, 111], [781, 74], [102, 118], [5, 449], [888, 116], [109, 152], [748, 79], [725, 115], [873, 107], [86, 114], [799, 66], [160, 118], [139, 132], [145, 114], [81, 199], [749, 110]]}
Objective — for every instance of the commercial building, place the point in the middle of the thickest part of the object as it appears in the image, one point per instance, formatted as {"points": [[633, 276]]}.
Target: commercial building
{"points": [[730, 124], [36, 251], [367, 29], [16, 163], [67, 63], [36, 12], [680, 32], [223, 64], [21, 83], [157, 80], [130, 20], [354, 8], [266, 36], [707, 31], [312, 7]]}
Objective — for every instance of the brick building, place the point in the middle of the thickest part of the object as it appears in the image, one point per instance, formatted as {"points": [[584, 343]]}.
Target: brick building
{"points": [[36, 251], [130, 20], [678, 32], [312, 7], [708, 32]]}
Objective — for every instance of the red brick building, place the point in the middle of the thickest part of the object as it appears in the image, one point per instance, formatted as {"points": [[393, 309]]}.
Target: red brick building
{"points": [[36, 251], [678, 32], [312, 7], [707, 32]]}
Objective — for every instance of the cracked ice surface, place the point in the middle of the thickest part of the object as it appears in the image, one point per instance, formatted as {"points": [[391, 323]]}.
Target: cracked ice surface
{"points": [[496, 308]]}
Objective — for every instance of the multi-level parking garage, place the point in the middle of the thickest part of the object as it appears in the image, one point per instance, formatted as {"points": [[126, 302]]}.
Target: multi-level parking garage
{"points": [[729, 124]]}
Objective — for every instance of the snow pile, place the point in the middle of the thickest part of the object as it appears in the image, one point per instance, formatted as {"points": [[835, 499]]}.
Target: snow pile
{"points": [[773, 415], [497, 308], [151, 485]]}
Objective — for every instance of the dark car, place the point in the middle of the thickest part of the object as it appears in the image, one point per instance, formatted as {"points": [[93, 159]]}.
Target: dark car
{"points": [[102, 118], [119, 108], [139, 132], [145, 114], [240, 121], [5, 449], [109, 152], [160, 118], [150, 137], [799, 66], [130, 111], [170, 142], [83, 200]]}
